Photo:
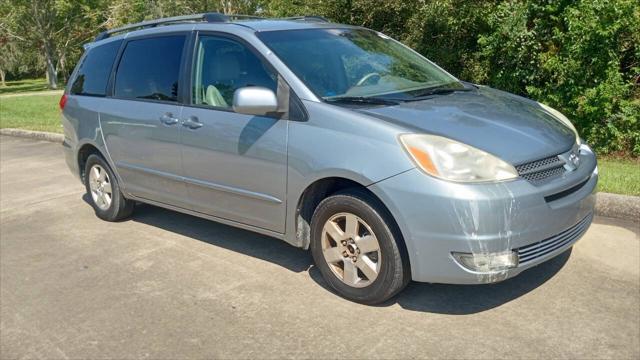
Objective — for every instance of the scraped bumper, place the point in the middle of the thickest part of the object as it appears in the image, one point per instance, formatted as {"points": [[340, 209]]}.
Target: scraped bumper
{"points": [[438, 218]]}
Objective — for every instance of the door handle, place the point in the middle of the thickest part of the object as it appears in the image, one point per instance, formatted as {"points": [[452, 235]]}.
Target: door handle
{"points": [[192, 122], [168, 119]]}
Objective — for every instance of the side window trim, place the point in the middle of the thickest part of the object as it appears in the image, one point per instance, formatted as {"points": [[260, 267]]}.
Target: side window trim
{"points": [[114, 68], [188, 88], [184, 92], [76, 71], [181, 73]]}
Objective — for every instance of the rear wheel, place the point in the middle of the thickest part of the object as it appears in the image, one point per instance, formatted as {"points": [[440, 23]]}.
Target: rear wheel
{"points": [[103, 188], [356, 248]]}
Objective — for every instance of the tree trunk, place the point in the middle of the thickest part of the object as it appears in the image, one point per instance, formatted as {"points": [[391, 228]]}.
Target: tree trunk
{"points": [[2, 77], [60, 69], [52, 76]]}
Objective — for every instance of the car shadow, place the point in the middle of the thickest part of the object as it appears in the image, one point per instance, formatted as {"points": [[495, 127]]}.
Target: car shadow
{"points": [[468, 299], [423, 297], [228, 237]]}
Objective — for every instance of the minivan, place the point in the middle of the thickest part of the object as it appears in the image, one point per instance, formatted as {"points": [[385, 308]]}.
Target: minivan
{"points": [[333, 138]]}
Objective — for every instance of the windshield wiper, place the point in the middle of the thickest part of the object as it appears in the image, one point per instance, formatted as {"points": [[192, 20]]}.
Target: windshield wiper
{"points": [[439, 90], [362, 100]]}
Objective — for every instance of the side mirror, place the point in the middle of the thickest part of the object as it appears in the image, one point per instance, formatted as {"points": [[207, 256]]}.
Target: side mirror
{"points": [[254, 100]]}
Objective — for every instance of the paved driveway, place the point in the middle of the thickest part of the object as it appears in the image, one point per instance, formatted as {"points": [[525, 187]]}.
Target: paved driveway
{"points": [[166, 285]]}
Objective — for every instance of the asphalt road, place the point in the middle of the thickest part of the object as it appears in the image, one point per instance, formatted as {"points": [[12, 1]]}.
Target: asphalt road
{"points": [[167, 285]]}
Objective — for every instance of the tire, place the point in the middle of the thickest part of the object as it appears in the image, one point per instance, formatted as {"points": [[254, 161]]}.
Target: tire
{"points": [[388, 260], [99, 179]]}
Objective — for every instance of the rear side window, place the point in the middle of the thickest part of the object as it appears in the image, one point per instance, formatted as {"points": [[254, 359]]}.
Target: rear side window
{"points": [[150, 69], [93, 74]]}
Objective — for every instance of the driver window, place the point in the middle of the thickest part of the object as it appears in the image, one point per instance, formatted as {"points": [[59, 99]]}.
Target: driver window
{"points": [[221, 67]]}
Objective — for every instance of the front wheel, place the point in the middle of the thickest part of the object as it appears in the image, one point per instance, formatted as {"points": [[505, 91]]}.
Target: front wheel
{"points": [[355, 247], [102, 186]]}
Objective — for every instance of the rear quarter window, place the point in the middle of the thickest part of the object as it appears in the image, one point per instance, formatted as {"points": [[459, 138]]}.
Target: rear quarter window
{"points": [[94, 71]]}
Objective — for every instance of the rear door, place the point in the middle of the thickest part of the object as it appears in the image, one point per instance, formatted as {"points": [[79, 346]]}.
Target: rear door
{"points": [[141, 123], [234, 164]]}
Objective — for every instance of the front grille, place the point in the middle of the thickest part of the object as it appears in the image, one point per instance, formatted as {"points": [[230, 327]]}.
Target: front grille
{"points": [[541, 248], [543, 175], [542, 170]]}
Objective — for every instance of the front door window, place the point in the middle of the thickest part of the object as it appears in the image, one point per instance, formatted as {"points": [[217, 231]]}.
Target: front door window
{"points": [[224, 65]]}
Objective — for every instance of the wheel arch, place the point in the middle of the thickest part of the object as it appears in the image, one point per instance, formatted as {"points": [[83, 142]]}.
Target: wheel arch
{"points": [[84, 151], [322, 188]]}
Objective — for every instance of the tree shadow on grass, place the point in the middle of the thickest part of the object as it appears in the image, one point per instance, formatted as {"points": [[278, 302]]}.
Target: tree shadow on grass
{"points": [[24, 86]]}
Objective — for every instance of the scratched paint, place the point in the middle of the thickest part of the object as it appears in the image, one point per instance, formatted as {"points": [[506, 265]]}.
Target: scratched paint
{"points": [[487, 225]]}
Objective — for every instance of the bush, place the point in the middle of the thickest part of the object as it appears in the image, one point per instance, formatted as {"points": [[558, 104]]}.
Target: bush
{"points": [[581, 57]]}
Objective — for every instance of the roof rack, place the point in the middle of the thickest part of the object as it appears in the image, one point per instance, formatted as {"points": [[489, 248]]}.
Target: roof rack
{"points": [[306, 18], [212, 17]]}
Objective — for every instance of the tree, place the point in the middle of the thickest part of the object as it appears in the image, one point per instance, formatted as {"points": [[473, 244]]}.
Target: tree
{"points": [[36, 20], [9, 58], [581, 57], [8, 43], [56, 28], [78, 22], [121, 12]]}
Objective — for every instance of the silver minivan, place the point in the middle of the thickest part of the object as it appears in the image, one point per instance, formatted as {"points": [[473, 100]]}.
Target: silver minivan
{"points": [[333, 138]]}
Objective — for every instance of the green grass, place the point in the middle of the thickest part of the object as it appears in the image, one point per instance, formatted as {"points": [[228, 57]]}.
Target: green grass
{"points": [[619, 176], [40, 112], [22, 86], [32, 112]]}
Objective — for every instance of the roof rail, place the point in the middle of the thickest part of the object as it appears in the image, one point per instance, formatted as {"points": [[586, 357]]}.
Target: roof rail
{"points": [[240, 16], [211, 17], [307, 18]]}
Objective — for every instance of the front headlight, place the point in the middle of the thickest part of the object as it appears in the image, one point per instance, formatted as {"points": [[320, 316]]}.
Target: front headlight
{"points": [[563, 119], [454, 161]]}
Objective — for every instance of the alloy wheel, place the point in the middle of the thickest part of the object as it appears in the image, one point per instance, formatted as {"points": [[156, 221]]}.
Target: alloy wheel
{"points": [[100, 186], [351, 250]]}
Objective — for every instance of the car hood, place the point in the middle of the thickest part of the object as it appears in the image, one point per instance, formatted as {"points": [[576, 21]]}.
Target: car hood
{"points": [[516, 129]]}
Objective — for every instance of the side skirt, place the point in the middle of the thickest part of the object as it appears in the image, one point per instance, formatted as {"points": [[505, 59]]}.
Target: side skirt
{"points": [[236, 224]]}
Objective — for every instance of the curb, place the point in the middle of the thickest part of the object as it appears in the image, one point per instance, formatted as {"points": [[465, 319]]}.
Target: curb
{"points": [[607, 205], [618, 206], [30, 134]]}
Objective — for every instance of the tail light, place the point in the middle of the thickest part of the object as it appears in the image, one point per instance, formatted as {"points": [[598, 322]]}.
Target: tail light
{"points": [[63, 101]]}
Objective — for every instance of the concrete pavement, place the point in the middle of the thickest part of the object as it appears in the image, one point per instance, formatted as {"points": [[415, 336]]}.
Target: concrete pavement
{"points": [[167, 285]]}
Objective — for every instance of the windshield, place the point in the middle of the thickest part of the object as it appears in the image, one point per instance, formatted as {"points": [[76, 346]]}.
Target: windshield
{"points": [[356, 63]]}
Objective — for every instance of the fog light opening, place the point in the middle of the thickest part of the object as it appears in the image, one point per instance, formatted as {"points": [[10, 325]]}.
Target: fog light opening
{"points": [[487, 262]]}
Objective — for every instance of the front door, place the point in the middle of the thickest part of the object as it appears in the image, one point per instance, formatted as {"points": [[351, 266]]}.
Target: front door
{"points": [[140, 122], [234, 164]]}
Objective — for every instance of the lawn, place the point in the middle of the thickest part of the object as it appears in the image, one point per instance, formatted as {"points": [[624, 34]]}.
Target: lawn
{"points": [[40, 112], [29, 85], [619, 176], [31, 112]]}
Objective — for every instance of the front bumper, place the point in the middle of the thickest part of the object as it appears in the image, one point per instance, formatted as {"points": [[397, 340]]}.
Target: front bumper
{"points": [[437, 218]]}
